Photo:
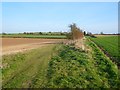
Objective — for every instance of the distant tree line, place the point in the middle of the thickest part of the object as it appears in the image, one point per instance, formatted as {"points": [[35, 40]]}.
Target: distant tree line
{"points": [[74, 32], [45, 33]]}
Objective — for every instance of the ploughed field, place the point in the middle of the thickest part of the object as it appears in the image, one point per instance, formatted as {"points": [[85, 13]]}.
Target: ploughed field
{"points": [[13, 45], [60, 66], [110, 45]]}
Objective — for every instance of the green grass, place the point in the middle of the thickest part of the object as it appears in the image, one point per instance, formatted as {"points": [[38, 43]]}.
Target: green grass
{"points": [[34, 36], [109, 44], [67, 68], [26, 70], [75, 68]]}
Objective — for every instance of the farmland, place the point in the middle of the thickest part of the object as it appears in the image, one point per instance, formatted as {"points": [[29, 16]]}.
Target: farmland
{"points": [[26, 69], [60, 66], [76, 62], [109, 44], [34, 36], [13, 45], [59, 45]]}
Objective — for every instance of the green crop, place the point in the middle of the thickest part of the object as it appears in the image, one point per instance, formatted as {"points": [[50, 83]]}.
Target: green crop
{"points": [[110, 45], [34, 36]]}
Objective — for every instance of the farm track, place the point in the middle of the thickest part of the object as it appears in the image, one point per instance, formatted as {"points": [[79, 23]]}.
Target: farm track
{"points": [[33, 72]]}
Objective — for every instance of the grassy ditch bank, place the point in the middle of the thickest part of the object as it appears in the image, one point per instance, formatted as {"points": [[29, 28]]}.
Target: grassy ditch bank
{"points": [[75, 68], [110, 46]]}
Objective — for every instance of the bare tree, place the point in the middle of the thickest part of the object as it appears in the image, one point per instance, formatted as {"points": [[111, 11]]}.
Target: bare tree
{"points": [[75, 32]]}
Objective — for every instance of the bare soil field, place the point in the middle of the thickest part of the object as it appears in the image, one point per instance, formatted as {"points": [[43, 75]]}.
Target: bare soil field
{"points": [[13, 45], [105, 35]]}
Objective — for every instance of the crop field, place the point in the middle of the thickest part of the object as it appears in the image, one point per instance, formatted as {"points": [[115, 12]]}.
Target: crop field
{"points": [[13, 45], [34, 36], [60, 66], [109, 44], [59, 45]]}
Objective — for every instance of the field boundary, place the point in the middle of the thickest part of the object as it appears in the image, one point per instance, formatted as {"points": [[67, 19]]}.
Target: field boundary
{"points": [[36, 36], [106, 53]]}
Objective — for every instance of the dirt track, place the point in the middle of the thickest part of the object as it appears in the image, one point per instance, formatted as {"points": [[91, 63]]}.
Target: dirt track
{"points": [[13, 45]]}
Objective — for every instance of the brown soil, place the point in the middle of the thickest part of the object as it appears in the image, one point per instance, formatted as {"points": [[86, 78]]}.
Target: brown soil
{"points": [[105, 35], [13, 45]]}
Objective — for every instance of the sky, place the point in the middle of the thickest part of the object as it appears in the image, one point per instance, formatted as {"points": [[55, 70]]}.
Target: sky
{"points": [[92, 17]]}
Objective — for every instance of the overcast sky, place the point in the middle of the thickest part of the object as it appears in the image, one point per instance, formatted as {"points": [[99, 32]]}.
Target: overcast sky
{"points": [[50, 16]]}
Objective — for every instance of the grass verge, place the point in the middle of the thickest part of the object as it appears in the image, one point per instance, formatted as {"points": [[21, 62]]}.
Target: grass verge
{"points": [[24, 70], [75, 68]]}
